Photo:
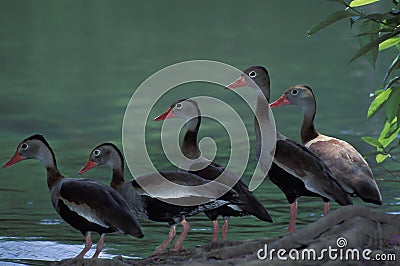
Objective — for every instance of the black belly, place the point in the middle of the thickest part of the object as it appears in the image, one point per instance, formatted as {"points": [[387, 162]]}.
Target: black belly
{"points": [[291, 186], [80, 223], [161, 211], [224, 211]]}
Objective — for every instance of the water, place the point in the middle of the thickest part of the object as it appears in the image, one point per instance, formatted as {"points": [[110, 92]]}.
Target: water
{"points": [[68, 71]]}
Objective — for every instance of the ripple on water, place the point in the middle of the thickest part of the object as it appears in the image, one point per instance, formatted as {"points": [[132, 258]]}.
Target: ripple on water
{"points": [[12, 248], [50, 221]]}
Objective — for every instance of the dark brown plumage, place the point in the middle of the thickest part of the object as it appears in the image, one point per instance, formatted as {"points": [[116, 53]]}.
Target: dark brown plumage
{"points": [[188, 109], [296, 160], [87, 205], [164, 203], [344, 161]]}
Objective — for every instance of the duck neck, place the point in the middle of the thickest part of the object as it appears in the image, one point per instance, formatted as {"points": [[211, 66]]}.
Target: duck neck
{"points": [[48, 159], [117, 167], [263, 131], [263, 95], [117, 179], [190, 148], [308, 131]]}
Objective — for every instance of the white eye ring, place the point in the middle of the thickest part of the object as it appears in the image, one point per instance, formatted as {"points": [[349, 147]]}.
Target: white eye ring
{"points": [[294, 92], [96, 153], [178, 105], [252, 74], [24, 146]]}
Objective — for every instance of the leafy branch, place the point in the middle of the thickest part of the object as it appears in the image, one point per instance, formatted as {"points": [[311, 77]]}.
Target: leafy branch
{"points": [[376, 32]]}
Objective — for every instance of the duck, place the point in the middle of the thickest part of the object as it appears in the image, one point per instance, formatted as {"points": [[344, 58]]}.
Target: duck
{"points": [[345, 162], [188, 110], [295, 169], [156, 206], [87, 205]]}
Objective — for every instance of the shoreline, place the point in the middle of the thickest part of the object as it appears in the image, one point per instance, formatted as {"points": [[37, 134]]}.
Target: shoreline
{"points": [[351, 230]]}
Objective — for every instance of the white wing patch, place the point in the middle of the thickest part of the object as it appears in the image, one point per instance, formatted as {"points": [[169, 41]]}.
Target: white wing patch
{"points": [[235, 207], [83, 210], [165, 189], [318, 139]]}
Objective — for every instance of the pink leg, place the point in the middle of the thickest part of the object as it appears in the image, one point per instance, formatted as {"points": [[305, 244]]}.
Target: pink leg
{"points": [[326, 208], [88, 245], [163, 246], [225, 228], [99, 246], [293, 214], [216, 230], [178, 243]]}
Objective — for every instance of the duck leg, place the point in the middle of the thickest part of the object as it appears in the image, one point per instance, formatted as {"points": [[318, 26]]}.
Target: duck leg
{"points": [[225, 227], [88, 245], [178, 243], [163, 246], [292, 220], [326, 208], [99, 246], [215, 230]]}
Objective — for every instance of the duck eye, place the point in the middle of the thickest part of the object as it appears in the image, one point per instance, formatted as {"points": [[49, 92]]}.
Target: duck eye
{"points": [[252, 74], [294, 92], [178, 105], [24, 146], [96, 153]]}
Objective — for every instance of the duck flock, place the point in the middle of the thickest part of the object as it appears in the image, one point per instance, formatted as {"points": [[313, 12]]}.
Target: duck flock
{"points": [[321, 166]]}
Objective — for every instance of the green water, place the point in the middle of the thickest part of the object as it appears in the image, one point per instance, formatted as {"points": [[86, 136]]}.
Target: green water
{"points": [[68, 70]]}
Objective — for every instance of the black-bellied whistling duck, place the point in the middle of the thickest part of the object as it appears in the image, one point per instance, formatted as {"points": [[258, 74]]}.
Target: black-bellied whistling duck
{"points": [[153, 207], [344, 161], [291, 160], [87, 205], [189, 110]]}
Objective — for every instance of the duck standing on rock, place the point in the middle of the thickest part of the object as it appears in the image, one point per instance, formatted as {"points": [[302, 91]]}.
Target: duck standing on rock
{"points": [[345, 162], [156, 207], [87, 205], [296, 170], [189, 110]]}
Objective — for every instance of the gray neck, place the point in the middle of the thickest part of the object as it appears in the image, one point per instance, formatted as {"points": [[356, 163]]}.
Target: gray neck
{"points": [[308, 130], [117, 165], [190, 148], [264, 133], [46, 157]]}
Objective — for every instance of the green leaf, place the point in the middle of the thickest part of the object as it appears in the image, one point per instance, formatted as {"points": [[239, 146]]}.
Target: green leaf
{"points": [[377, 102], [389, 132], [364, 49], [392, 104], [336, 16], [377, 92], [389, 43], [356, 3], [392, 82], [372, 141], [369, 26], [381, 157], [379, 16], [395, 65], [353, 20], [374, 32], [398, 119]]}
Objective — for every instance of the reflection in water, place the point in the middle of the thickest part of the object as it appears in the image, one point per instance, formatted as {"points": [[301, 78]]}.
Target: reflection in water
{"points": [[50, 221], [29, 249]]}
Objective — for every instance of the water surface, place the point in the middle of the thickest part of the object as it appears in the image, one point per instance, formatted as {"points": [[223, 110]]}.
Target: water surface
{"points": [[68, 70]]}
